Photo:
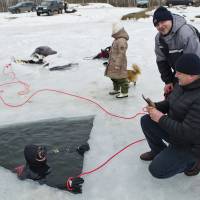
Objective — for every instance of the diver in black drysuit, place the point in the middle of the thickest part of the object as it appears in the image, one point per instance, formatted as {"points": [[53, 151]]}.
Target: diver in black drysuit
{"points": [[37, 169]]}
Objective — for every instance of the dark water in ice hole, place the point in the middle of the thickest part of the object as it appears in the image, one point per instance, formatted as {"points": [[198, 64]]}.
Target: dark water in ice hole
{"points": [[63, 134]]}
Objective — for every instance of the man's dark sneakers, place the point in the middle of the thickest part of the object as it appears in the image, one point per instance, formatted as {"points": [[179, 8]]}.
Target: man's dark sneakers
{"points": [[147, 156], [194, 170]]}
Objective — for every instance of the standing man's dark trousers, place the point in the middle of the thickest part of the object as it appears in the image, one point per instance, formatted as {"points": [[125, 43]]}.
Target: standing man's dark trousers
{"points": [[169, 160]]}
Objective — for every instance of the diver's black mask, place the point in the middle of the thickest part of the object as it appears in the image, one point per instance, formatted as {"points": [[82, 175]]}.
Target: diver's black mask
{"points": [[41, 154]]}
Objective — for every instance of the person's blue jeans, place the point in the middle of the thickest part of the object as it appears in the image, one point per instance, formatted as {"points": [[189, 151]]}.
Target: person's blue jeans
{"points": [[169, 160]]}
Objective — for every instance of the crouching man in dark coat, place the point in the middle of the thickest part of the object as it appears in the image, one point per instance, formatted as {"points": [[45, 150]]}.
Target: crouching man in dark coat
{"points": [[176, 120]]}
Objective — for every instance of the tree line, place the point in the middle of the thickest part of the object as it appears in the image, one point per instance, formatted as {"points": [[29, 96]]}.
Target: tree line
{"points": [[4, 4]]}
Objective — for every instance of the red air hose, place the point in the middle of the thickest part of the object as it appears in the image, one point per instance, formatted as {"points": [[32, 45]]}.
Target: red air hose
{"points": [[26, 90], [68, 185]]}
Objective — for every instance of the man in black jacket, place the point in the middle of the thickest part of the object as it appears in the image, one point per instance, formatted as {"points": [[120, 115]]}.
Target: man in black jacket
{"points": [[174, 38], [176, 120]]}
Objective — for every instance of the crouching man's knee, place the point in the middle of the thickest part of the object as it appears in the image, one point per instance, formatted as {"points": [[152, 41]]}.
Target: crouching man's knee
{"points": [[157, 171], [144, 121]]}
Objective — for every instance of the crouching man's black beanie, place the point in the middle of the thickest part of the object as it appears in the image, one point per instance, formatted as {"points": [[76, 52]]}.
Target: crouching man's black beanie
{"points": [[161, 14], [188, 64]]}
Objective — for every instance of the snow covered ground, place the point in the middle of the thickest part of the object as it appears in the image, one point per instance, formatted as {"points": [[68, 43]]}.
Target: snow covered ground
{"points": [[76, 36]]}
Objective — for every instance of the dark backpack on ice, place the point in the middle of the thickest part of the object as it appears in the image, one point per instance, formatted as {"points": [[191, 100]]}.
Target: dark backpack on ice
{"points": [[104, 54]]}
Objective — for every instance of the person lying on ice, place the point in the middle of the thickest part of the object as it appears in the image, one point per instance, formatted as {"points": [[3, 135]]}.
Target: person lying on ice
{"points": [[48, 58], [37, 57], [37, 168]]}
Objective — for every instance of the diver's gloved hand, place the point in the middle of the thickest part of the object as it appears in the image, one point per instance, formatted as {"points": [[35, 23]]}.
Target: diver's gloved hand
{"points": [[19, 170], [76, 185], [83, 148]]}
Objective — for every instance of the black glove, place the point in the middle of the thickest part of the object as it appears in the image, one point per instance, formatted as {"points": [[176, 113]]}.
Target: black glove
{"points": [[83, 148], [76, 185]]}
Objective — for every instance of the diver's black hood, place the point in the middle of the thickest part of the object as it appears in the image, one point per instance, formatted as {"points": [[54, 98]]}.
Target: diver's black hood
{"points": [[31, 153]]}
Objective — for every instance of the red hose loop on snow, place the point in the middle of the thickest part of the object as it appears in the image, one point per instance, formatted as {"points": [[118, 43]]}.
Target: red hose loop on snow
{"points": [[73, 95], [26, 90], [23, 92], [6, 67], [26, 86]]}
